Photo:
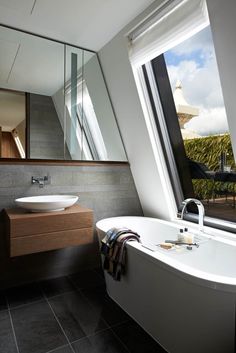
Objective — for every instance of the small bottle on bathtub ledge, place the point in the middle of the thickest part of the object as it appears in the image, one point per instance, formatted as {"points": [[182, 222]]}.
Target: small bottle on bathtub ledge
{"points": [[181, 235], [188, 237], [185, 237]]}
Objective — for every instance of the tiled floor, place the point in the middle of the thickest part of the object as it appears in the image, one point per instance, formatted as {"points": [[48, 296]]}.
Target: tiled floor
{"points": [[68, 315]]}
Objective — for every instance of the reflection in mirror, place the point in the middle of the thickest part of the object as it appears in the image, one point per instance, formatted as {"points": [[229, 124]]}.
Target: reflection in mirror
{"points": [[34, 65], [91, 128], [45, 70], [73, 78], [100, 128], [12, 124], [68, 110], [84, 138], [65, 101], [45, 130]]}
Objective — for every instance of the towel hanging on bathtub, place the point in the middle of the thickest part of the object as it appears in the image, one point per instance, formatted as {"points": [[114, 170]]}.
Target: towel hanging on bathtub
{"points": [[114, 251]]}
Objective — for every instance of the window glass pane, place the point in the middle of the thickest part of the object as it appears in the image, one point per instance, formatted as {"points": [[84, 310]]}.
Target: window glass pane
{"points": [[198, 99]]}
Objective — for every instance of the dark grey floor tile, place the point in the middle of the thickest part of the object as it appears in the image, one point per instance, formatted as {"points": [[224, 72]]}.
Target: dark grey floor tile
{"points": [[110, 311], [87, 279], [100, 271], [7, 343], [136, 339], [65, 349], [102, 342], [57, 286], [76, 316], [36, 328], [25, 294], [3, 303]]}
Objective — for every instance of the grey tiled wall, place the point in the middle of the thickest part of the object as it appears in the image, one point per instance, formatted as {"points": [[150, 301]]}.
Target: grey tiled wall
{"points": [[108, 190]]}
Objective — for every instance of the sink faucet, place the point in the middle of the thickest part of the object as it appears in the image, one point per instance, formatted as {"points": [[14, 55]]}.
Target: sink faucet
{"points": [[201, 211], [40, 180]]}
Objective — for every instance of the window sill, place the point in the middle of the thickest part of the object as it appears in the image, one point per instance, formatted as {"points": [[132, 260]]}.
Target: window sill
{"points": [[214, 226]]}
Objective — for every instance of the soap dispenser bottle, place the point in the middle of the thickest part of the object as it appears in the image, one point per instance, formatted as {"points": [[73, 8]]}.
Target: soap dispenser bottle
{"points": [[181, 235]]}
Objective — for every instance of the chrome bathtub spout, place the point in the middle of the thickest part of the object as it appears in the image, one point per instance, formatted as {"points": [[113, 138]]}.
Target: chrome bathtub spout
{"points": [[201, 212]]}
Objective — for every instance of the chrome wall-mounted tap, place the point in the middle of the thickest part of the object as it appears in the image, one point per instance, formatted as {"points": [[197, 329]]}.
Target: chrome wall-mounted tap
{"points": [[41, 181]]}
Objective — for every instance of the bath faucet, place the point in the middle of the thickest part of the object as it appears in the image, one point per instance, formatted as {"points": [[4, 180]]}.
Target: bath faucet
{"points": [[40, 180], [201, 211]]}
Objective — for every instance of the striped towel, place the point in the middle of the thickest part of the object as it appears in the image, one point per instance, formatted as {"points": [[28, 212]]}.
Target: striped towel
{"points": [[114, 251]]}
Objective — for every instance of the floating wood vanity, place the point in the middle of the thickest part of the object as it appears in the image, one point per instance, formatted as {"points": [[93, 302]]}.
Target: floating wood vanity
{"points": [[36, 232]]}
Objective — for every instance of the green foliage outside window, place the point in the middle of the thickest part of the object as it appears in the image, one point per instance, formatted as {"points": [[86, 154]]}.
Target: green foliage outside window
{"points": [[207, 150]]}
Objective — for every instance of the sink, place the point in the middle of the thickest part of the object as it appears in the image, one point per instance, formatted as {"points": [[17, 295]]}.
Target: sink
{"points": [[46, 203]]}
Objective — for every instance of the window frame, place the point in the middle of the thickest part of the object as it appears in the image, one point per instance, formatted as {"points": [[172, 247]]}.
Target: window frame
{"points": [[159, 90]]}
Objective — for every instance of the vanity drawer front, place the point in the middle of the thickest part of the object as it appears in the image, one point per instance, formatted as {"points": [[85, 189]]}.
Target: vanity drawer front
{"points": [[22, 224], [50, 241]]}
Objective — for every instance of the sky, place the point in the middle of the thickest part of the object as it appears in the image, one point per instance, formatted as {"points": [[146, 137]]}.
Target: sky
{"points": [[193, 62]]}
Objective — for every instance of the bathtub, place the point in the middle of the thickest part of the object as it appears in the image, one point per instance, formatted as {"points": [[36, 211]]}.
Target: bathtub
{"points": [[184, 299]]}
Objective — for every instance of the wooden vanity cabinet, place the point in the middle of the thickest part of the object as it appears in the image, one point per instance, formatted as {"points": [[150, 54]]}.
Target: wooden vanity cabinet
{"points": [[36, 232]]}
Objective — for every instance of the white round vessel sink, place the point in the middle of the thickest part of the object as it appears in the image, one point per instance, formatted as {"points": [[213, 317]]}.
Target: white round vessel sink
{"points": [[46, 203]]}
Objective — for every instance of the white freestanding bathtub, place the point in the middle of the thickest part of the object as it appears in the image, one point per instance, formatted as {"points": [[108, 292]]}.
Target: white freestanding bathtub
{"points": [[184, 299]]}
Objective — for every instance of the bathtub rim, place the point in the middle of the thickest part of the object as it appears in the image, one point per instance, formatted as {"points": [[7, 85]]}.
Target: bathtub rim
{"points": [[199, 277]]}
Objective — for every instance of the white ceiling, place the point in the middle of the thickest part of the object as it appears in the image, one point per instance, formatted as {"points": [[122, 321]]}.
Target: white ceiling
{"points": [[86, 23]]}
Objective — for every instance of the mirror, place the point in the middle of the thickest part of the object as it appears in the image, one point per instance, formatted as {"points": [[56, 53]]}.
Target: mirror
{"points": [[53, 102], [12, 124]]}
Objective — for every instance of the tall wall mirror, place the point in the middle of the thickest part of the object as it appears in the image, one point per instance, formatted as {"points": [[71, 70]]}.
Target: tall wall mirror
{"points": [[53, 102]]}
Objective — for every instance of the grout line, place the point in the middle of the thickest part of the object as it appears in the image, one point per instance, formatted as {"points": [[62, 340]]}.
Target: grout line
{"points": [[77, 289], [33, 7], [58, 295], [98, 274], [12, 326], [118, 339], [80, 290], [101, 331], [3, 310], [55, 349], [120, 323], [91, 306], [26, 304], [88, 287], [54, 314], [94, 307], [91, 335]]}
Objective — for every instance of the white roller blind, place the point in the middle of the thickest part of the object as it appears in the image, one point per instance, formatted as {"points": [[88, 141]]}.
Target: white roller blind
{"points": [[174, 22]]}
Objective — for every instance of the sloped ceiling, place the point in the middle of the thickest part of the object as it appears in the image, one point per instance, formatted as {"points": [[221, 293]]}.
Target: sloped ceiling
{"points": [[87, 23]]}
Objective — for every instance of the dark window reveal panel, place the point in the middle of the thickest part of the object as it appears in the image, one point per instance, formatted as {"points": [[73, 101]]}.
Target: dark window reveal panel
{"points": [[171, 120]]}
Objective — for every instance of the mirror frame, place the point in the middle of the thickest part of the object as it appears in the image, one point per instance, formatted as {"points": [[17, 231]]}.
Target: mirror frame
{"points": [[59, 161]]}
